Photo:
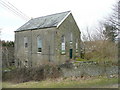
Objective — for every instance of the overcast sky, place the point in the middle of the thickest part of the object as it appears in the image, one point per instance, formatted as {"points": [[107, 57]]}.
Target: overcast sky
{"points": [[85, 12]]}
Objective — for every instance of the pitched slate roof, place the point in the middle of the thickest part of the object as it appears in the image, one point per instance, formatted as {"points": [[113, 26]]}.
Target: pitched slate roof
{"points": [[53, 20]]}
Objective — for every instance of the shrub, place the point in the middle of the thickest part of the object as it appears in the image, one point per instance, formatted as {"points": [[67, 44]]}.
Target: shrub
{"points": [[19, 75], [101, 50]]}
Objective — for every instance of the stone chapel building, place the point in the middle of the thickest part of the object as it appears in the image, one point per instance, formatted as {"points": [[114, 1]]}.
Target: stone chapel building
{"points": [[53, 38]]}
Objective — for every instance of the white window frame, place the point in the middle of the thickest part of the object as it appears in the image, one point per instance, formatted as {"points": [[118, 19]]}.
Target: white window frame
{"points": [[25, 42], [63, 44], [71, 38], [39, 44], [76, 45]]}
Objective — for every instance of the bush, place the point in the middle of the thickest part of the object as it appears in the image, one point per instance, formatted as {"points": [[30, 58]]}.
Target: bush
{"points": [[101, 51], [19, 75]]}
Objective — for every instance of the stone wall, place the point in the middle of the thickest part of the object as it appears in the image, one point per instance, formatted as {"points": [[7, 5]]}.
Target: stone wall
{"points": [[67, 28], [89, 69], [31, 55]]}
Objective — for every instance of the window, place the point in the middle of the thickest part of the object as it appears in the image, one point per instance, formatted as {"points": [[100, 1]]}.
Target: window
{"points": [[63, 39], [63, 44], [39, 44], [76, 45], [71, 37], [26, 63], [25, 42]]}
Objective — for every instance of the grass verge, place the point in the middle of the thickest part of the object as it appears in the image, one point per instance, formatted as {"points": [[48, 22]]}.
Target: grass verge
{"points": [[92, 82]]}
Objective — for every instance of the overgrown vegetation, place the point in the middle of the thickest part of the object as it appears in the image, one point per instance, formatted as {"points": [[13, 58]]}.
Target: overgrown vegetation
{"points": [[101, 51], [102, 45], [7, 43], [7, 54], [31, 74]]}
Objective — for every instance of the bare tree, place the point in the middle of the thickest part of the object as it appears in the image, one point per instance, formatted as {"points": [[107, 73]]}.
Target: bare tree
{"points": [[115, 16], [110, 28], [87, 35], [114, 20], [98, 45]]}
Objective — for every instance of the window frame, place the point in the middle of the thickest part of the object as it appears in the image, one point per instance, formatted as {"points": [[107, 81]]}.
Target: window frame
{"points": [[71, 38], [39, 44], [76, 45], [25, 42], [63, 47]]}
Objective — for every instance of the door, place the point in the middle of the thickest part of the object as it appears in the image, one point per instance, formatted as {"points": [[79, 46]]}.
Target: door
{"points": [[71, 50]]}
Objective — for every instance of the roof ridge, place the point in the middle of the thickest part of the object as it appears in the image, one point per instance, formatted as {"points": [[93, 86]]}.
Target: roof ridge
{"points": [[51, 14], [63, 19]]}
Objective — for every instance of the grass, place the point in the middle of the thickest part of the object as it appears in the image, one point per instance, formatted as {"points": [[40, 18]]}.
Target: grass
{"points": [[80, 59], [8, 68], [85, 60], [93, 82]]}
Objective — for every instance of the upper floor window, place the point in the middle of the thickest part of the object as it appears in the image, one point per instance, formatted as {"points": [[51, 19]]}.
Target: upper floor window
{"points": [[63, 39], [63, 44], [71, 37], [76, 45], [25, 42], [39, 44]]}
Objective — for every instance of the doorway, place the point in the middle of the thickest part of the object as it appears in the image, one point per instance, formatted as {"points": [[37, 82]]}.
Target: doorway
{"points": [[70, 53]]}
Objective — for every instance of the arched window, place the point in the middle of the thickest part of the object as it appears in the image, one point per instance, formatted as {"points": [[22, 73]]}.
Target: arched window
{"points": [[63, 44], [39, 44]]}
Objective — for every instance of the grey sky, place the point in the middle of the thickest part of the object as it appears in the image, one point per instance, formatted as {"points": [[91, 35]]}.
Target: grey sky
{"points": [[85, 12]]}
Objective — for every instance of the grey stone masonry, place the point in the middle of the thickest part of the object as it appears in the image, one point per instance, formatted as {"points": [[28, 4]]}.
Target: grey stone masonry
{"points": [[52, 50]]}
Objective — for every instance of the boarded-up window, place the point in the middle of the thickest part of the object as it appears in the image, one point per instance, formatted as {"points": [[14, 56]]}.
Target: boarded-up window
{"points": [[39, 44], [25, 42], [63, 44]]}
